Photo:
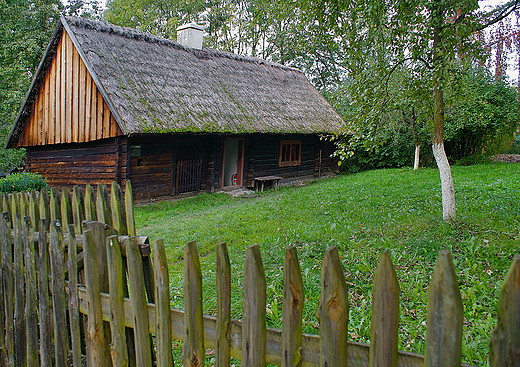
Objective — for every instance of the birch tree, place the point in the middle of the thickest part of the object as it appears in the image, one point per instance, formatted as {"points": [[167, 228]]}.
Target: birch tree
{"points": [[429, 38]]}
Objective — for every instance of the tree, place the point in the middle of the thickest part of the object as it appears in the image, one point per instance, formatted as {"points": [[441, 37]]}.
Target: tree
{"points": [[428, 38], [25, 30]]}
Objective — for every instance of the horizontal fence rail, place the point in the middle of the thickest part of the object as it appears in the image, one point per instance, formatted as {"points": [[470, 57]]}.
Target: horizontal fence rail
{"points": [[79, 287]]}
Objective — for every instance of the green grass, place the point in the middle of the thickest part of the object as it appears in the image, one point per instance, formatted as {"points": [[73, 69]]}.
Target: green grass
{"points": [[361, 214]]}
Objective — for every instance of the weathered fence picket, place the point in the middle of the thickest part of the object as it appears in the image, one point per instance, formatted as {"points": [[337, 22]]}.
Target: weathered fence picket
{"points": [[292, 310], [193, 351], [253, 318], [118, 347], [93, 268], [333, 311], [222, 349], [385, 315]]}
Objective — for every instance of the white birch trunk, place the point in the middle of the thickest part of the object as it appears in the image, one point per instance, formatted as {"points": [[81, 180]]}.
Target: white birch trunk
{"points": [[417, 154], [448, 189]]}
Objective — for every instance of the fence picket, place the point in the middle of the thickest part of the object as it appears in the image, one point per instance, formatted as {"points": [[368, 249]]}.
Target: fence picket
{"points": [[74, 316], [292, 309], [118, 210], [97, 346], [54, 206], [129, 209], [45, 207], [31, 288], [8, 275], [253, 323], [19, 293], [333, 311], [222, 352], [117, 320], [90, 204], [444, 325], [6, 204], [78, 209], [504, 348], [66, 208], [138, 302], [102, 205], [385, 315], [34, 211], [43, 295], [193, 351], [61, 343], [163, 333]]}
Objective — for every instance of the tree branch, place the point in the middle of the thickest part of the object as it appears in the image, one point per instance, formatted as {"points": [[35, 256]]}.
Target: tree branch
{"points": [[503, 12]]}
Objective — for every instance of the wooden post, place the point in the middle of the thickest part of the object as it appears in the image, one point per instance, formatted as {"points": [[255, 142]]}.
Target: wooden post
{"points": [[61, 346], [34, 211], [129, 209], [118, 210], [74, 316], [385, 315], [43, 295], [504, 348], [193, 352], [31, 305], [138, 302], [78, 210], [90, 204], [292, 309], [117, 315], [253, 323], [163, 333], [19, 294], [54, 206], [8, 275], [333, 311], [45, 207], [66, 208], [98, 352], [222, 352], [102, 205], [444, 327]]}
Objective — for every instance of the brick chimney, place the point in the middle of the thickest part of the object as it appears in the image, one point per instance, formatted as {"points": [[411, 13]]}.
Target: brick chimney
{"points": [[190, 35]]}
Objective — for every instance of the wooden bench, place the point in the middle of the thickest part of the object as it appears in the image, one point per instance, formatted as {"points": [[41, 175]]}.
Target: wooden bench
{"points": [[260, 181]]}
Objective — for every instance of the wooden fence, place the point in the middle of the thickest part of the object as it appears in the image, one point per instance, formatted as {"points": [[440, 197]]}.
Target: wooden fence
{"points": [[65, 286]]}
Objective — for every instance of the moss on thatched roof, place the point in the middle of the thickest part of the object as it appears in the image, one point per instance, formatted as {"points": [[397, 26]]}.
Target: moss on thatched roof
{"points": [[155, 85]]}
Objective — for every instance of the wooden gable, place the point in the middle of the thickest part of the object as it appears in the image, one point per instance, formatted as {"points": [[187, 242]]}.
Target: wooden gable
{"points": [[69, 108]]}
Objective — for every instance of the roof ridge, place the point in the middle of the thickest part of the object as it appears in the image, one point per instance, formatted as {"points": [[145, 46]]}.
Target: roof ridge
{"points": [[132, 33]]}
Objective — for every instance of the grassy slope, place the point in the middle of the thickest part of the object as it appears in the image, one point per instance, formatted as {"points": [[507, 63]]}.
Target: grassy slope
{"points": [[362, 214]]}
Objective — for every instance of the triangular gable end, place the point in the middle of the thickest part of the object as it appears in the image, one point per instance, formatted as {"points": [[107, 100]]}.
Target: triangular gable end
{"points": [[68, 106]]}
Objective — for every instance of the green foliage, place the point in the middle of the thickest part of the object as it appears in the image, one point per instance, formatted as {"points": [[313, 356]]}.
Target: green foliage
{"points": [[24, 181], [482, 119], [25, 30], [361, 214]]}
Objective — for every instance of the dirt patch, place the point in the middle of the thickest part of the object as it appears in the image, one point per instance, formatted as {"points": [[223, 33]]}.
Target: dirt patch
{"points": [[506, 158]]}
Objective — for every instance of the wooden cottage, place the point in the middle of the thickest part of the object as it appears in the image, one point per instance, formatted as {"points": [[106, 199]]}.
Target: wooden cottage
{"points": [[111, 103]]}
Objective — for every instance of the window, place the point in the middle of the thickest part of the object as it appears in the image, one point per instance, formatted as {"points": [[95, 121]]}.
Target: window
{"points": [[290, 153]]}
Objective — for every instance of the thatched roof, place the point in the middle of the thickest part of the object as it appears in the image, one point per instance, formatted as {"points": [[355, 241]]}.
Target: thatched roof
{"points": [[156, 85]]}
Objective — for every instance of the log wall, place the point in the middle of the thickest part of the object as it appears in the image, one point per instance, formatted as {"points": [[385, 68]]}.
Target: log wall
{"points": [[69, 107], [102, 161]]}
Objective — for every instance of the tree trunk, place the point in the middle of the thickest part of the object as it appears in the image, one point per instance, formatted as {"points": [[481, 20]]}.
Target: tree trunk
{"points": [[417, 155], [448, 190], [416, 141]]}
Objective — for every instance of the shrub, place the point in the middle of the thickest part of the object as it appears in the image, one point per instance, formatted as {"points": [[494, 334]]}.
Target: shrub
{"points": [[24, 181]]}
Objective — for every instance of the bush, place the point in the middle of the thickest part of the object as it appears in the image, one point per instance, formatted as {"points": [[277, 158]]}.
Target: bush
{"points": [[24, 181]]}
